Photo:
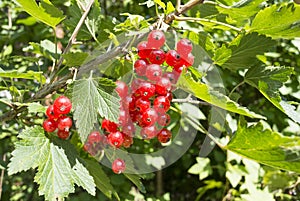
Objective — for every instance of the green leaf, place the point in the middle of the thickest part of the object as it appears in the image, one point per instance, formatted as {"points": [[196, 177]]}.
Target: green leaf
{"points": [[88, 100], [75, 59], [241, 53], [278, 21], [92, 21], [204, 92], [36, 107], [202, 168], [170, 8], [266, 146], [268, 80], [136, 179], [55, 176], [30, 75], [45, 12], [160, 3], [101, 180]]}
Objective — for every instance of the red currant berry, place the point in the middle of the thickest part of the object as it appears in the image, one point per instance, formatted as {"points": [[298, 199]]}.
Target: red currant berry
{"points": [[156, 39], [184, 46], [64, 123], [63, 134], [87, 146], [148, 118], [163, 86], [169, 96], [131, 103], [49, 125], [164, 135], [143, 50], [157, 57], [172, 76], [149, 132], [62, 105], [135, 116], [146, 90], [121, 89], [109, 126], [128, 141], [142, 104], [163, 119], [173, 58], [140, 67], [118, 166], [129, 129], [94, 137], [116, 139], [50, 112], [136, 83], [161, 102], [123, 117], [153, 72]]}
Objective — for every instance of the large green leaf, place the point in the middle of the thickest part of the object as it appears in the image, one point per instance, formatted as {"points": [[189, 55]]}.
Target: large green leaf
{"points": [[266, 146], [88, 100], [56, 176], [204, 92], [268, 80], [45, 12], [241, 53], [278, 21]]}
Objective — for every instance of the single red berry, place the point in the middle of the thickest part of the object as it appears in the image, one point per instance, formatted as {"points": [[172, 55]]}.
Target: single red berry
{"points": [[129, 128], [121, 88], [169, 96], [149, 132], [145, 90], [136, 83], [164, 135], [131, 103], [163, 119], [87, 146], [135, 116], [62, 105], [128, 141], [184, 46], [190, 60], [94, 137], [50, 113], [63, 134], [123, 117], [156, 39], [148, 118], [64, 123], [140, 66], [172, 76], [109, 126], [142, 104], [143, 50], [153, 72], [157, 57], [163, 86], [161, 102], [173, 58], [118, 166], [49, 125], [116, 139]]}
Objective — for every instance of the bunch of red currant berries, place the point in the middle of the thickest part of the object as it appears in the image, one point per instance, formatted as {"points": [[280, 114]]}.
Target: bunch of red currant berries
{"points": [[146, 101], [57, 119]]}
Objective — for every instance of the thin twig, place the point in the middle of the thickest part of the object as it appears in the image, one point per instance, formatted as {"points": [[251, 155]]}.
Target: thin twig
{"points": [[207, 20], [72, 39], [2, 176], [178, 4], [189, 100]]}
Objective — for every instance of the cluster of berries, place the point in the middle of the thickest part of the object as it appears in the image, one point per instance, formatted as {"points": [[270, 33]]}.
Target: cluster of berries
{"points": [[57, 118], [146, 101]]}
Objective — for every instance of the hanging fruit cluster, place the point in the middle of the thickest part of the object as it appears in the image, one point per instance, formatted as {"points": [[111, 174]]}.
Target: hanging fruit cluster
{"points": [[147, 99]]}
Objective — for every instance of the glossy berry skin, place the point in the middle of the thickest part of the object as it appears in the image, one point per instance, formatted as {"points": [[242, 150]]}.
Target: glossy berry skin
{"points": [[146, 90], [172, 76], [156, 39], [116, 139], [161, 102], [143, 50], [148, 118], [142, 104], [164, 135], [49, 125], [118, 166], [163, 86], [109, 126], [121, 88], [153, 72], [184, 46], [149, 132], [62, 105], [94, 137], [63, 134], [123, 117], [64, 123], [50, 112], [157, 57], [140, 67], [169, 96], [163, 119], [128, 141], [173, 58], [129, 129]]}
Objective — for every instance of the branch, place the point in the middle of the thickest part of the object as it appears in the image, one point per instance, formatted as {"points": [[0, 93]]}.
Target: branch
{"points": [[189, 100]]}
